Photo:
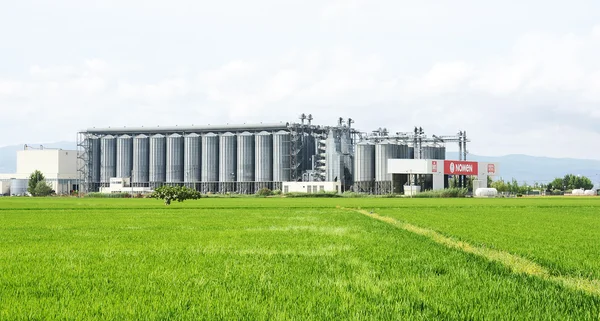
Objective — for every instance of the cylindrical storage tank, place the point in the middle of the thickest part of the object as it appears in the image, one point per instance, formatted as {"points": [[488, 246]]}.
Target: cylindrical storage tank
{"points": [[403, 151], [141, 159], [364, 162], [411, 152], [174, 172], [210, 158], [441, 152], [192, 158], [486, 192], [245, 157], [108, 158], [158, 159], [227, 157], [18, 187], [264, 157], [94, 154], [124, 156], [383, 151], [429, 152], [281, 156]]}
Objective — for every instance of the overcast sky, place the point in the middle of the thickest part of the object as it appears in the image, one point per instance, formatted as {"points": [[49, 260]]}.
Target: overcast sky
{"points": [[519, 76]]}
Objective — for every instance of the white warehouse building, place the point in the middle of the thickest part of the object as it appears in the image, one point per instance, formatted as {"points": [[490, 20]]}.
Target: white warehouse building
{"points": [[58, 166]]}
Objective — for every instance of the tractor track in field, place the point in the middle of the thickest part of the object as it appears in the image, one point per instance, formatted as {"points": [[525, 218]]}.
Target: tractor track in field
{"points": [[515, 263]]}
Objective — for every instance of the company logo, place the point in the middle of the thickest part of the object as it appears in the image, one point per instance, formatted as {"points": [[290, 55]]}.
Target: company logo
{"points": [[460, 168], [491, 168], [434, 166]]}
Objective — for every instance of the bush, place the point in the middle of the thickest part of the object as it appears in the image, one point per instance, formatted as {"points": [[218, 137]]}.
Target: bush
{"points": [[277, 192], [444, 193], [106, 195], [391, 195], [349, 194], [175, 193], [42, 189], [263, 192]]}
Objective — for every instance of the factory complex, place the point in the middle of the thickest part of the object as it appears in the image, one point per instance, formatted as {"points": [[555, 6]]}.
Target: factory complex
{"points": [[291, 157], [246, 158], [58, 166]]}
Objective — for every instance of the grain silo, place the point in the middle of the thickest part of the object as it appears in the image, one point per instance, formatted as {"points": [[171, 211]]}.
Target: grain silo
{"points": [[174, 159], [124, 156], [141, 161], [384, 151], [158, 160], [108, 159], [210, 163], [281, 156], [227, 162], [245, 163], [364, 167], [192, 159], [264, 160]]}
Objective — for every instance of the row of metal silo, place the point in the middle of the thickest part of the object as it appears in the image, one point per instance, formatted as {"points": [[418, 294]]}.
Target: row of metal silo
{"points": [[224, 158], [370, 159], [370, 163], [433, 152]]}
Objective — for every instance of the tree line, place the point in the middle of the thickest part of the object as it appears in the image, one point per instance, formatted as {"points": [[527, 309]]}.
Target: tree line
{"points": [[566, 183]]}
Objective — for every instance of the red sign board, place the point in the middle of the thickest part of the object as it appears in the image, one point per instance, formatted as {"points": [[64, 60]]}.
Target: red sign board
{"points": [[460, 168], [434, 166]]}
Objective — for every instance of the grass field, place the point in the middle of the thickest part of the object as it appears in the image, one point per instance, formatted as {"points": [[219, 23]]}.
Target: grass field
{"points": [[268, 259]]}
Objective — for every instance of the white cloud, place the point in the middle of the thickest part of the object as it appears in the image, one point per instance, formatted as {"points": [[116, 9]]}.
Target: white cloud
{"points": [[160, 92], [442, 78], [338, 8], [516, 100], [11, 88]]}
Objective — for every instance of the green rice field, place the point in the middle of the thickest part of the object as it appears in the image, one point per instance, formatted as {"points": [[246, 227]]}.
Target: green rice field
{"points": [[300, 259]]}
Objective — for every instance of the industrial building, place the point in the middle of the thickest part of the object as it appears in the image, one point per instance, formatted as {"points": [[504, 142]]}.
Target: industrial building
{"points": [[433, 174], [58, 166], [245, 158]]}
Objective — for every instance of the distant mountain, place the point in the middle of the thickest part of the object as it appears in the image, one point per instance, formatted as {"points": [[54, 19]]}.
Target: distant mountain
{"points": [[523, 168], [8, 154], [532, 169]]}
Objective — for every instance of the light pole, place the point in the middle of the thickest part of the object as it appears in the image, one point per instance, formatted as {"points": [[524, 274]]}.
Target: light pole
{"points": [[131, 182], [410, 183]]}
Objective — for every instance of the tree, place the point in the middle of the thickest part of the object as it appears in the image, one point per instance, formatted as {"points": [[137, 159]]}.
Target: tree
{"points": [[500, 186], [42, 189], [557, 183], [175, 193], [578, 181], [571, 181], [34, 179], [37, 185]]}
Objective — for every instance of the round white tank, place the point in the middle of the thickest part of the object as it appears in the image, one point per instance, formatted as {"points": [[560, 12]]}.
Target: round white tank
{"points": [[590, 192], [18, 187], [486, 192], [578, 192]]}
